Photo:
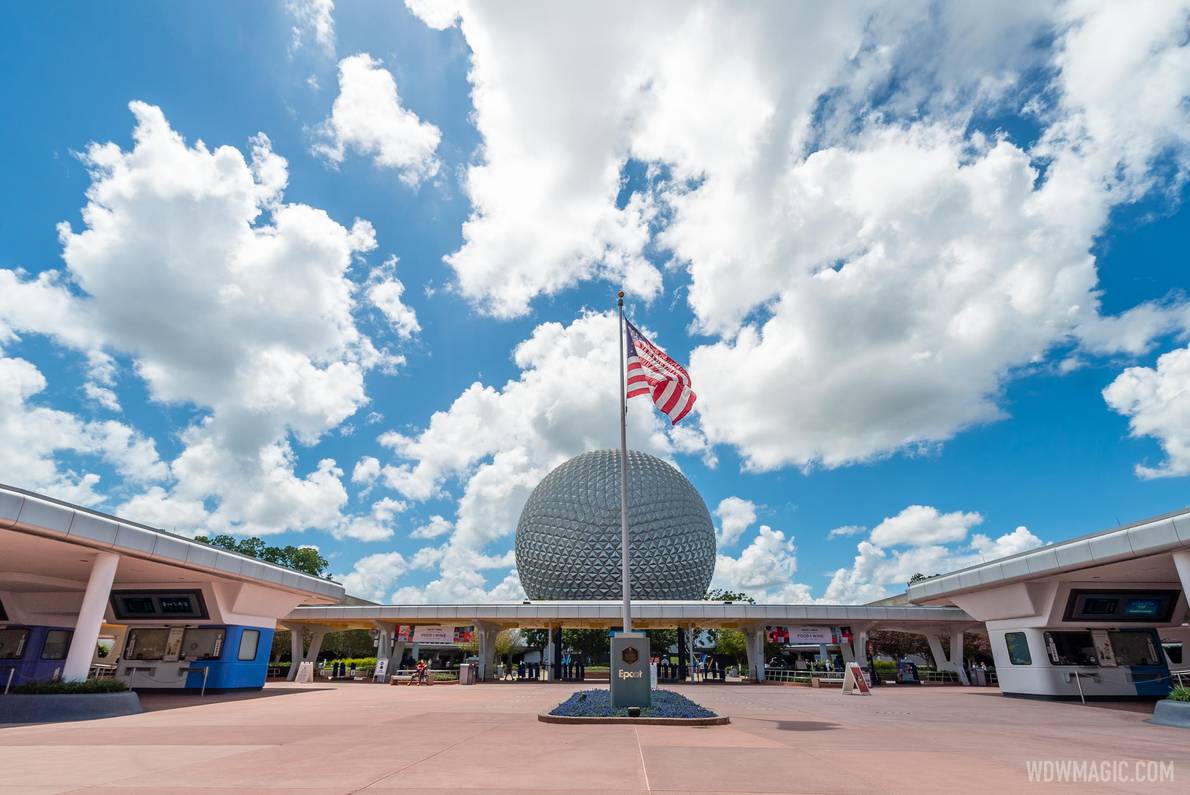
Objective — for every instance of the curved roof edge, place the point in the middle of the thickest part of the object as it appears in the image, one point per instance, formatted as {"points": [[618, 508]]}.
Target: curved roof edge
{"points": [[27, 511], [643, 610], [1164, 533]]}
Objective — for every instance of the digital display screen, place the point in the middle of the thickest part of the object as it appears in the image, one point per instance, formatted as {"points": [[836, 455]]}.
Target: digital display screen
{"points": [[143, 605], [176, 604], [139, 605], [1121, 606], [1100, 606], [1143, 607]]}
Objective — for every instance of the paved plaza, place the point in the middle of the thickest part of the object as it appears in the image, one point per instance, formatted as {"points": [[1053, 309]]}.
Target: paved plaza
{"points": [[352, 737]]}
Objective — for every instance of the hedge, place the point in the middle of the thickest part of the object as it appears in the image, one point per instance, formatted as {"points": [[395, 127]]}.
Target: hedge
{"points": [[58, 687]]}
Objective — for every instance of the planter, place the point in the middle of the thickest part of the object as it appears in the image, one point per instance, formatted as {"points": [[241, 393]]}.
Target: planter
{"points": [[718, 720], [59, 707], [1172, 713]]}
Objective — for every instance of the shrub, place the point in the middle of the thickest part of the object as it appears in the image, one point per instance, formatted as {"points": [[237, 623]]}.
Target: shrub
{"points": [[1179, 694], [58, 687], [598, 704]]}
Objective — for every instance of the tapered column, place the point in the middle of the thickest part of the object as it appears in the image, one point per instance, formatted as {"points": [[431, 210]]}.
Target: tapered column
{"points": [[90, 620]]}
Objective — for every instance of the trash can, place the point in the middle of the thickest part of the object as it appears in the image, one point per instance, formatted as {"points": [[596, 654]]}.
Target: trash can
{"points": [[467, 674]]}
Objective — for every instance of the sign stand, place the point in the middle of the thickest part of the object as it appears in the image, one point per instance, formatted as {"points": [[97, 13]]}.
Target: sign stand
{"points": [[854, 681], [305, 673]]}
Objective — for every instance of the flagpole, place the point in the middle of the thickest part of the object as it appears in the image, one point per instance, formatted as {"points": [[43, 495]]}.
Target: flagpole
{"points": [[626, 576]]}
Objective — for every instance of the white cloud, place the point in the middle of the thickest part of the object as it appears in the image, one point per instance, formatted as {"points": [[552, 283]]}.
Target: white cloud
{"points": [[225, 298], [367, 117], [384, 291], [923, 532], [314, 20], [735, 516], [437, 526], [1156, 401], [36, 436], [374, 576], [377, 525], [366, 470], [859, 248], [921, 525], [847, 530], [438, 14], [764, 570]]}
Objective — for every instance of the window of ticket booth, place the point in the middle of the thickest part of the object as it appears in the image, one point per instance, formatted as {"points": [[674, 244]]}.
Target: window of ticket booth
{"points": [[57, 643], [12, 643], [1134, 648], [146, 644], [202, 644], [1071, 648]]}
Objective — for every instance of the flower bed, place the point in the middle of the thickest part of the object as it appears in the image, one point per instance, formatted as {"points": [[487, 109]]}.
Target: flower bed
{"points": [[598, 704]]}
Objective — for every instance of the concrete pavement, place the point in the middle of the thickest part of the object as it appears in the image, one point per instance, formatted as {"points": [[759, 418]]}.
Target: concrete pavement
{"points": [[352, 737]]}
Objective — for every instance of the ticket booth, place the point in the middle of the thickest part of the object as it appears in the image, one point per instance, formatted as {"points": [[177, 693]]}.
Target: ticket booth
{"points": [[169, 644], [1105, 644], [31, 653]]}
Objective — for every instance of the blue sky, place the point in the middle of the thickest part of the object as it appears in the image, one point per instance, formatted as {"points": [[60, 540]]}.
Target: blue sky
{"points": [[905, 251]]}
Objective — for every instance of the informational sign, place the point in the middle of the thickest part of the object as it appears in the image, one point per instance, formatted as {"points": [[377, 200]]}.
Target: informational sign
{"points": [[1103, 648], [305, 673], [854, 681], [799, 636], [436, 634], [173, 644], [381, 670], [630, 670]]}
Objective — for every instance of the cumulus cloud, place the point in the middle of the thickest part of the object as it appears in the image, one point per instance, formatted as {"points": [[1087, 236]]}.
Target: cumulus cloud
{"points": [[35, 436], [855, 242], [1156, 401], [374, 576], [919, 525], [225, 298], [314, 21], [764, 570], [367, 117], [918, 540], [437, 526], [735, 516]]}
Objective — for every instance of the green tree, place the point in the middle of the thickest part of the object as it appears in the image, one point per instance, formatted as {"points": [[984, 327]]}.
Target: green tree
{"points": [[591, 643], [724, 595], [303, 559], [731, 642]]}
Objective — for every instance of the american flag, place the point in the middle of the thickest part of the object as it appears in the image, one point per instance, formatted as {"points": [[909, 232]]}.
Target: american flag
{"points": [[651, 372]]}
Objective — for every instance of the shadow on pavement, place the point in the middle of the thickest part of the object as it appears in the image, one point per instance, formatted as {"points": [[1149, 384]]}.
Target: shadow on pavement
{"points": [[154, 702]]}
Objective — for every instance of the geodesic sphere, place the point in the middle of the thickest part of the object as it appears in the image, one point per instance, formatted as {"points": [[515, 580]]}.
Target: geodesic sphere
{"points": [[568, 537]]}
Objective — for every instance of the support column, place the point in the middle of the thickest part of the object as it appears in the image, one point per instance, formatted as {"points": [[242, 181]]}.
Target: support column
{"points": [[956, 656], [859, 644], [754, 647], [558, 651], [487, 650], [296, 650], [683, 655], [941, 661], [1181, 562], [90, 620], [315, 645]]}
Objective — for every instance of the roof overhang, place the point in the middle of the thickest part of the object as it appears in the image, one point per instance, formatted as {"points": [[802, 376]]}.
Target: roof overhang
{"points": [[24, 512], [645, 614]]}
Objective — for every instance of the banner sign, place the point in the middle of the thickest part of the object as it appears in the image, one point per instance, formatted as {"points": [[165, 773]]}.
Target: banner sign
{"points": [[799, 636], [435, 634]]}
